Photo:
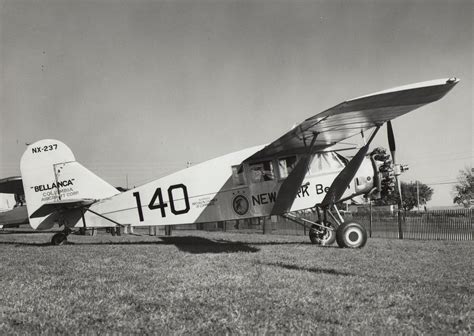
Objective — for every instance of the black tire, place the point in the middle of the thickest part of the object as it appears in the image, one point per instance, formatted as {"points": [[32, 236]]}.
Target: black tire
{"points": [[324, 239], [59, 239], [351, 235]]}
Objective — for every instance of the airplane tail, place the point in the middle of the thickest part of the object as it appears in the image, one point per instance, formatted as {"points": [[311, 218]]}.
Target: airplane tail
{"points": [[53, 178]]}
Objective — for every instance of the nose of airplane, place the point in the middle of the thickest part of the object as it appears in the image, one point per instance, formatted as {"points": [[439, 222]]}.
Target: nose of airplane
{"points": [[384, 171]]}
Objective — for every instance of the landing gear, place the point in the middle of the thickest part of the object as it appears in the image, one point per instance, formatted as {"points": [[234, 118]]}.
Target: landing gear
{"points": [[351, 235], [321, 235], [59, 239], [346, 234]]}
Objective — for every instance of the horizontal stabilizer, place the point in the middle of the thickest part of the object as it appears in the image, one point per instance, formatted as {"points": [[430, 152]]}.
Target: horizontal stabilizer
{"points": [[49, 208]]}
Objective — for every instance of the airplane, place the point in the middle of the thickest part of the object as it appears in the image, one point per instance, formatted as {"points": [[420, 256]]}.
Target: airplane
{"points": [[13, 216], [302, 169]]}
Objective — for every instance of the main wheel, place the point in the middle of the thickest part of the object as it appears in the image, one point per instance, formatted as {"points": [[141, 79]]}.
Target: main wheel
{"points": [[59, 239], [321, 236], [351, 235]]}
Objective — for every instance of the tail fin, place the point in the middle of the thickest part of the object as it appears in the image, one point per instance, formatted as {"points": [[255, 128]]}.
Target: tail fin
{"points": [[51, 173]]}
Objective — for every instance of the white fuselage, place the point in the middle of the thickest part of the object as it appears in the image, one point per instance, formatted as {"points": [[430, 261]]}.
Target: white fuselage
{"points": [[222, 189]]}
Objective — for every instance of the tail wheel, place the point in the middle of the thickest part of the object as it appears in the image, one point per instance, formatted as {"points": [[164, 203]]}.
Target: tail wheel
{"points": [[59, 239], [351, 235], [322, 236]]}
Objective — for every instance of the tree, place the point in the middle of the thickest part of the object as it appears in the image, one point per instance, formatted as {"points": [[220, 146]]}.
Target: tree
{"points": [[464, 189], [410, 195]]}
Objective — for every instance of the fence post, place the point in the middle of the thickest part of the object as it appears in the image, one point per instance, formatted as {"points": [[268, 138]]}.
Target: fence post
{"points": [[152, 230], [400, 231], [370, 219], [267, 225]]}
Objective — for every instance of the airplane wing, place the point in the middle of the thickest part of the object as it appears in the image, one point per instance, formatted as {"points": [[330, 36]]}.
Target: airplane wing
{"points": [[353, 116], [49, 208], [11, 185]]}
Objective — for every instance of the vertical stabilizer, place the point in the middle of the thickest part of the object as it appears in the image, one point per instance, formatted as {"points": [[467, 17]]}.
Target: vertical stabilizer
{"points": [[51, 173]]}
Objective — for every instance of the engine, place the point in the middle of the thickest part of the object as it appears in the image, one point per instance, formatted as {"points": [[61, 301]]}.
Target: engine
{"points": [[385, 173]]}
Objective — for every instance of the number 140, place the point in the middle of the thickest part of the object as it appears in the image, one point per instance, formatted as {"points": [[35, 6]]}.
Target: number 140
{"points": [[157, 202]]}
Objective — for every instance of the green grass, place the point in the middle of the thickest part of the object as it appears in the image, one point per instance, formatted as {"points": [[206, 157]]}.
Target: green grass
{"points": [[217, 283]]}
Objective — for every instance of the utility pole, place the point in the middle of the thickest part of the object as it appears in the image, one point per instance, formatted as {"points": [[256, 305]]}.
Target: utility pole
{"points": [[417, 196]]}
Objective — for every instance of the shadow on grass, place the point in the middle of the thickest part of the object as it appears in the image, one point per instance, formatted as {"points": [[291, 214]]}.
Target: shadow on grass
{"points": [[198, 245], [308, 269], [189, 244], [270, 243], [10, 232], [25, 244]]}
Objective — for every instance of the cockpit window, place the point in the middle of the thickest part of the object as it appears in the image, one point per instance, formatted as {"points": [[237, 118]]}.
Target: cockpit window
{"points": [[261, 171], [286, 166], [238, 175]]}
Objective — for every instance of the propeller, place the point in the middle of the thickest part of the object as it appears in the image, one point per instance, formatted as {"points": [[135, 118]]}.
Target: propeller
{"points": [[392, 147]]}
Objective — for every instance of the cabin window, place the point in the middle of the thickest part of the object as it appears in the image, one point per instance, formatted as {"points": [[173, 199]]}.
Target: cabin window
{"points": [[323, 162], [286, 166], [238, 175], [261, 171]]}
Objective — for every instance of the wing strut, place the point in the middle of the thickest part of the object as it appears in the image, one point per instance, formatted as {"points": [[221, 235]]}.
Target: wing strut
{"points": [[289, 188], [340, 183], [347, 234]]}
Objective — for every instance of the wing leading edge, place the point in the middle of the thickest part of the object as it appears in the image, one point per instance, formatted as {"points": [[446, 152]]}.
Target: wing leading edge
{"points": [[353, 116]]}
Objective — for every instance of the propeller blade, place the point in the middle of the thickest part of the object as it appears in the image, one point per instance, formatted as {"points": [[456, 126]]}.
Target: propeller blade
{"points": [[391, 140], [391, 144]]}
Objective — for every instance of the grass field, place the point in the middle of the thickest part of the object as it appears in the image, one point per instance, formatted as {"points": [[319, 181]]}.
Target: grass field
{"points": [[218, 283]]}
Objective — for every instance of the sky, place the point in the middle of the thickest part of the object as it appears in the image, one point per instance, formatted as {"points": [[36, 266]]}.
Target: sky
{"points": [[139, 88]]}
